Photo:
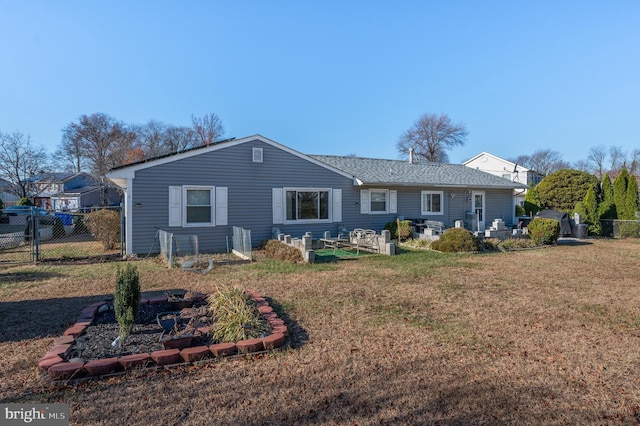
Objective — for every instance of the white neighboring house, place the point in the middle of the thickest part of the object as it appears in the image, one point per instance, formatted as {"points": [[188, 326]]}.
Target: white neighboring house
{"points": [[497, 166]]}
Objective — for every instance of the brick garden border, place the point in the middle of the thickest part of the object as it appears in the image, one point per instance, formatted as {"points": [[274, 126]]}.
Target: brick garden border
{"points": [[56, 364]]}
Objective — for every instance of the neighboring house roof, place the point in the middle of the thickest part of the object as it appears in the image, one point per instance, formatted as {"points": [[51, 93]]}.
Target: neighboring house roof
{"points": [[371, 171], [53, 177], [510, 166], [77, 191]]}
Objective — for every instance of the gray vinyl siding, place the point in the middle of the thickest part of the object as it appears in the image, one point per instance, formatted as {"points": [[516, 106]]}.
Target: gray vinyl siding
{"points": [[249, 194], [498, 204]]}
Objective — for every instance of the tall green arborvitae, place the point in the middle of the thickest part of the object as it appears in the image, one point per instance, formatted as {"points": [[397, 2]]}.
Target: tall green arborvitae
{"points": [[531, 201], [620, 193], [126, 300], [607, 207], [591, 209], [631, 198]]}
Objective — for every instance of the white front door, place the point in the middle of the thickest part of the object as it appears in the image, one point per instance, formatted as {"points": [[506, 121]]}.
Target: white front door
{"points": [[477, 206]]}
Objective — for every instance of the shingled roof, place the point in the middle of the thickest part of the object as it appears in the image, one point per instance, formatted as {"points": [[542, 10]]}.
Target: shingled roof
{"points": [[372, 171]]}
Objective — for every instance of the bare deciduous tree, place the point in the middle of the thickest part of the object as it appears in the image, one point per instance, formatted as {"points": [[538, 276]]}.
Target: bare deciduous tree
{"points": [[20, 160], [208, 128], [431, 136], [179, 138], [617, 158], [150, 138], [104, 141], [546, 161], [596, 158]]}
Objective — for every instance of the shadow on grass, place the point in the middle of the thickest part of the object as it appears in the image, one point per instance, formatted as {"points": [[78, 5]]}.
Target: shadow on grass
{"points": [[297, 335], [573, 242], [42, 318]]}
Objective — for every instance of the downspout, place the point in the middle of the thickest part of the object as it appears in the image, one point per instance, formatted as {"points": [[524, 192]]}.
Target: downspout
{"points": [[128, 217]]}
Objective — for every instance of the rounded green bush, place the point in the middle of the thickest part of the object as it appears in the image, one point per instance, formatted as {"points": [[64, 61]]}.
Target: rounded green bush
{"points": [[456, 240], [544, 231]]}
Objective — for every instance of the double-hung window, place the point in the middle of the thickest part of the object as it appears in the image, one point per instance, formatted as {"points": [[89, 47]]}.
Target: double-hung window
{"points": [[432, 202], [378, 201], [307, 204], [198, 205]]}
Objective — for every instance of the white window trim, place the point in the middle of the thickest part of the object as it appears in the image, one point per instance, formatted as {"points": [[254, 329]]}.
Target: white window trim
{"points": [[257, 155], [305, 221], [428, 213], [212, 205]]}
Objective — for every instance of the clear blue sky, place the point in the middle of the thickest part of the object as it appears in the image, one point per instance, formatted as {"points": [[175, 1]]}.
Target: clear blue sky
{"points": [[331, 77]]}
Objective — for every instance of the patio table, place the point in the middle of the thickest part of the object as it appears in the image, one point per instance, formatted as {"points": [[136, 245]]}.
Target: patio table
{"points": [[335, 243]]}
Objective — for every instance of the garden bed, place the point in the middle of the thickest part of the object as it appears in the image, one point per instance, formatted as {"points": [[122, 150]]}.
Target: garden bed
{"points": [[89, 347]]}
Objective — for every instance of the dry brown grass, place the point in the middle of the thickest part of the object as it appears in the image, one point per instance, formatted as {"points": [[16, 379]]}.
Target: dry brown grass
{"points": [[548, 336]]}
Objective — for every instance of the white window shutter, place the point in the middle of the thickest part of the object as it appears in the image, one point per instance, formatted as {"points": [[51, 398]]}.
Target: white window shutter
{"points": [[221, 205], [175, 206], [393, 201], [277, 207], [337, 205], [364, 201]]}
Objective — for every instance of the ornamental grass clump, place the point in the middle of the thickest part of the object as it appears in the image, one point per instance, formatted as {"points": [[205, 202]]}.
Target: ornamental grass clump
{"points": [[126, 300], [236, 316]]}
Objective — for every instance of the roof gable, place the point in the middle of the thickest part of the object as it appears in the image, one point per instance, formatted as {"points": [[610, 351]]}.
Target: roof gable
{"points": [[508, 164], [128, 171]]}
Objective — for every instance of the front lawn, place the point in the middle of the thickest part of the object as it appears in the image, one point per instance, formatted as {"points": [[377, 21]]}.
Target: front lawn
{"points": [[548, 336]]}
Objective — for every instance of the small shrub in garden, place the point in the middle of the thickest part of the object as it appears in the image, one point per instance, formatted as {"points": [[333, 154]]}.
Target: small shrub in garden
{"points": [[490, 244], [517, 243], [456, 240], [404, 229], [126, 300], [544, 231], [236, 316], [392, 227], [418, 243], [275, 249], [105, 226]]}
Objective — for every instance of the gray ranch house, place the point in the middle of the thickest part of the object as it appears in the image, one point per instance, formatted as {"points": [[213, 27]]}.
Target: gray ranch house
{"points": [[268, 188]]}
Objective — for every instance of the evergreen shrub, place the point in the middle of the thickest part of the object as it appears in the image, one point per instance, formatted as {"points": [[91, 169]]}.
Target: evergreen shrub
{"points": [[126, 300], [456, 240], [544, 231]]}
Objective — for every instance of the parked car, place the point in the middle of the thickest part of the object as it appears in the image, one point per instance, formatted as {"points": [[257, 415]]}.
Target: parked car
{"points": [[24, 210]]}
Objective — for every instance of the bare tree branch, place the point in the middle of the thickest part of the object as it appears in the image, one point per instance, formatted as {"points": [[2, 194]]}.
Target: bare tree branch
{"points": [[207, 128], [431, 136], [20, 161]]}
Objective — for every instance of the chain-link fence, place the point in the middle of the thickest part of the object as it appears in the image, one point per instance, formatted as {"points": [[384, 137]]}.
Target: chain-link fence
{"points": [[34, 234], [617, 228]]}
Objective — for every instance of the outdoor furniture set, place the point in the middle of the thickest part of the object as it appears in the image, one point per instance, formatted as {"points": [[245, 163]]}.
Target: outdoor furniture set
{"points": [[358, 239]]}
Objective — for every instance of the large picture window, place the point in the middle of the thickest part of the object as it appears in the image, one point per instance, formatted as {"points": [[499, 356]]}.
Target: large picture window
{"points": [[432, 202], [311, 205]]}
